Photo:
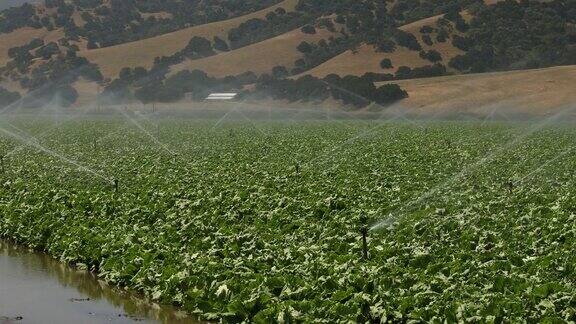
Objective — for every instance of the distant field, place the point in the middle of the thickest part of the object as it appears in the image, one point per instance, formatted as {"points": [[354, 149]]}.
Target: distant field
{"points": [[143, 52]]}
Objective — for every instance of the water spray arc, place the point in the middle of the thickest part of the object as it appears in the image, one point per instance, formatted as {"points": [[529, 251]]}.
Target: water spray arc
{"points": [[141, 128], [544, 165], [370, 101], [31, 93], [219, 121], [484, 160], [53, 154], [367, 132]]}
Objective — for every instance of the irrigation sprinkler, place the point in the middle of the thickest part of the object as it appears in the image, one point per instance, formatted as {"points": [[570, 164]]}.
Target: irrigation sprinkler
{"points": [[510, 186], [364, 232], [2, 163], [297, 167], [115, 183]]}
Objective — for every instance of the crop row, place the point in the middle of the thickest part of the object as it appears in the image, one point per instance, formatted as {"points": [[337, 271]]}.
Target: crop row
{"points": [[261, 221]]}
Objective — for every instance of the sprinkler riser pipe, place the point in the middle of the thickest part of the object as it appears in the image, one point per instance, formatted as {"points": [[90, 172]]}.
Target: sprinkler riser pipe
{"points": [[510, 186], [364, 231]]}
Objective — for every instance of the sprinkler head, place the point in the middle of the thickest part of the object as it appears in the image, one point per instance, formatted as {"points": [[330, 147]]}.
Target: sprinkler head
{"points": [[364, 232], [115, 183], [510, 185]]}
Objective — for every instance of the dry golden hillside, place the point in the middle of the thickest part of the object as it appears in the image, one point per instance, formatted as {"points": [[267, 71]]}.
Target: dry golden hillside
{"points": [[23, 36], [12, 86], [536, 92], [259, 57], [143, 52], [87, 92], [367, 59]]}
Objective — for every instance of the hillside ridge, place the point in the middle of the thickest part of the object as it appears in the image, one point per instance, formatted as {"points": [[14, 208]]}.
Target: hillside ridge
{"points": [[296, 50], [536, 92], [142, 53]]}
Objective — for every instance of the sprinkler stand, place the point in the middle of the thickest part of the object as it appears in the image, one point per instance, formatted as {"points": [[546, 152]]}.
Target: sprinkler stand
{"points": [[510, 186], [364, 232]]}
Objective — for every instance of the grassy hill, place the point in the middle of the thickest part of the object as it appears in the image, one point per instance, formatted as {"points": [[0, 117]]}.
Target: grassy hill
{"points": [[502, 94], [23, 36], [306, 38], [366, 59], [13, 3], [259, 58], [143, 52], [498, 95]]}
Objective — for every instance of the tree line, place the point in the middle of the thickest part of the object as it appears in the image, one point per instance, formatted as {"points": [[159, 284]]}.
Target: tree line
{"points": [[154, 86], [518, 35]]}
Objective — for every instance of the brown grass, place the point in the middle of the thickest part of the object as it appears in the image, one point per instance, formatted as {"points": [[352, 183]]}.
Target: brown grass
{"points": [[142, 53], [157, 15], [259, 57], [87, 92], [78, 20], [12, 86], [367, 59], [536, 92], [23, 36]]}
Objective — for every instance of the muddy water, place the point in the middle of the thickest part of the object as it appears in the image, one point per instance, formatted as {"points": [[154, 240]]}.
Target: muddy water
{"points": [[35, 288]]}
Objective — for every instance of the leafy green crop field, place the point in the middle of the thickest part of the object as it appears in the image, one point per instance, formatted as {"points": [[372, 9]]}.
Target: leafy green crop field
{"points": [[261, 221]]}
